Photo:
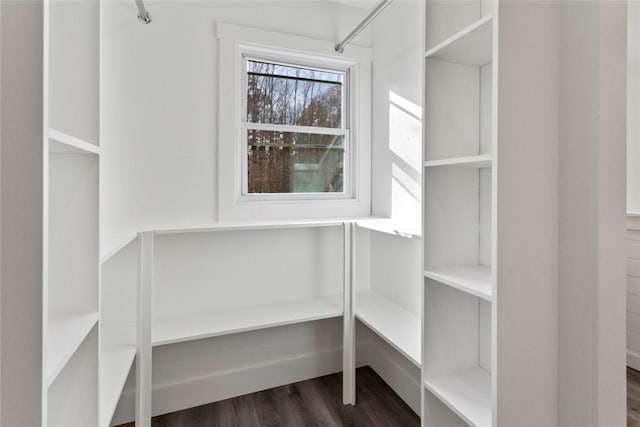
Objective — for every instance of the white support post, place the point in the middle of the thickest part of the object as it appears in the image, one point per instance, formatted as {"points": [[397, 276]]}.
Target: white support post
{"points": [[349, 333], [143, 359]]}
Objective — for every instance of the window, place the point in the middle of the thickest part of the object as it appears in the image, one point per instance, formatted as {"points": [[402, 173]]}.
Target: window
{"points": [[295, 129], [294, 137]]}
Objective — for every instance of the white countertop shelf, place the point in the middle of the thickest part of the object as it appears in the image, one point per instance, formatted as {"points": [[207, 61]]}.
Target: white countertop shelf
{"points": [[397, 326], [389, 226], [471, 46], [60, 142], [467, 393], [211, 324], [480, 161], [65, 334], [475, 280], [115, 365]]}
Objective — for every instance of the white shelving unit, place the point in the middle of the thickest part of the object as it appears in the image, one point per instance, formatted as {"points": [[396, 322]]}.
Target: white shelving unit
{"points": [[459, 215], [72, 284], [60, 142], [393, 323], [478, 162], [467, 393], [244, 319], [473, 280], [65, 335], [219, 296], [115, 365], [472, 45], [118, 332]]}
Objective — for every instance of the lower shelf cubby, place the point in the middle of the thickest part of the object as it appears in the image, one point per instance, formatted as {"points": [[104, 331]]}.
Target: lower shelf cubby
{"points": [[187, 327], [396, 325], [73, 396], [467, 393], [214, 283], [119, 274], [457, 361]]}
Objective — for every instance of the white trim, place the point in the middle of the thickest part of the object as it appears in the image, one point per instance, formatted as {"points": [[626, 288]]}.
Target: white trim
{"points": [[633, 359], [236, 41], [633, 222], [237, 382]]}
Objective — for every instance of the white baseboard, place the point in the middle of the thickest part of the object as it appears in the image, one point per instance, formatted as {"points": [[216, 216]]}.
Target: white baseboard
{"points": [[224, 385], [397, 371], [633, 359]]}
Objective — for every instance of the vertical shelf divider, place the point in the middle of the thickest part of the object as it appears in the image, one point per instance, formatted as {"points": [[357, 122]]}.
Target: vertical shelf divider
{"points": [[144, 350], [349, 334]]}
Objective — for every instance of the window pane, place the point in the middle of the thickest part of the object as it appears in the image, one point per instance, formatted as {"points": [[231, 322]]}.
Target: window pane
{"points": [[291, 162], [287, 95]]}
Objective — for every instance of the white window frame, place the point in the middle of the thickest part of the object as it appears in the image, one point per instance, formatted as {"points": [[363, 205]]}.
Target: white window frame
{"points": [[249, 54], [236, 45]]}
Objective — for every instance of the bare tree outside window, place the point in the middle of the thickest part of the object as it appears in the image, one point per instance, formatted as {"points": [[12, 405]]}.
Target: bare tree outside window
{"points": [[295, 130]]}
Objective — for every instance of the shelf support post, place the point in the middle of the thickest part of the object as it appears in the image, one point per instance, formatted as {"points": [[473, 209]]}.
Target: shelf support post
{"points": [[349, 333], [143, 359]]}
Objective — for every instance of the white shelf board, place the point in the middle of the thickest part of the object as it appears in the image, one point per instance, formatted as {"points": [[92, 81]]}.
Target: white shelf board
{"points": [[265, 224], [60, 142], [389, 226], [115, 365], [65, 334], [471, 46], [117, 246], [397, 326], [479, 162], [252, 225], [467, 393], [216, 323], [474, 280]]}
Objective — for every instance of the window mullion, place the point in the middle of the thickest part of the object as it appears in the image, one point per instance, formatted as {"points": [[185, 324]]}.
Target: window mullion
{"points": [[293, 128]]}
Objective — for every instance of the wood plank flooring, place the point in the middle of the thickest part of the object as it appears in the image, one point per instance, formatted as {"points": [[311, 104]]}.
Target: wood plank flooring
{"points": [[316, 402], [633, 398]]}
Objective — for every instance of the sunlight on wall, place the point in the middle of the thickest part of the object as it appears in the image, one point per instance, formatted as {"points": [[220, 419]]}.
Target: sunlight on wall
{"points": [[405, 140]]}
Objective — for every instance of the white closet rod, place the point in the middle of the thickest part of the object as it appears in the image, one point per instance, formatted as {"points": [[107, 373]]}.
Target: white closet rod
{"points": [[375, 12], [143, 15]]}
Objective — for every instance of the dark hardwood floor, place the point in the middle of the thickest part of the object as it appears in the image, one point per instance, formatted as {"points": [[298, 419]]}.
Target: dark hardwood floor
{"points": [[316, 402], [633, 398]]}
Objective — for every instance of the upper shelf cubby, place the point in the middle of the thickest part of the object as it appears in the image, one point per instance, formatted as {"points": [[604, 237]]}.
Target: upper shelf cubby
{"points": [[60, 142], [471, 46], [74, 68]]}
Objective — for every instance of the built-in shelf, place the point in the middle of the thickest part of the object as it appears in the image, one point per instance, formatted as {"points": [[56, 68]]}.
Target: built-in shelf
{"points": [[390, 226], [379, 223], [117, 246], [471, 46], [397, 326], [474, 280], [64, 336], [478, 162], [223, 322], [115, 365], [254, 225], [60, 142], [467, 393]]}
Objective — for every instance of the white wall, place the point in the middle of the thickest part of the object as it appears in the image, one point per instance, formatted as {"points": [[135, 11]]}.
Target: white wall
{"points": [[397, 112], [159, 103], [22, 126], [633, 108], [591, 364], [395, 265]]}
